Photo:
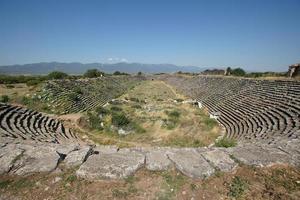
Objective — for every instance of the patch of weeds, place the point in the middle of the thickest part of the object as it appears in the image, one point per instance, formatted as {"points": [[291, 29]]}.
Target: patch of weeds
{"points": [[174, 182], [71, 178], [4, 99], [137, 128], [193, 186], [136, 106], [237, 187], [173, 114], [226, 142], [119, 119], [116, 109], [119, 193], [9, 86], [102, 111], [282, 177], [5, 183], [94, 121], [183, 141], [21, 183], [210, 123]]}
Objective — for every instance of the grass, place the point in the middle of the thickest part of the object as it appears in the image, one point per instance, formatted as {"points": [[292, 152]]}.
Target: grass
{"points": [[225, 142], [172, 184], [4, 183], [237, 187]]}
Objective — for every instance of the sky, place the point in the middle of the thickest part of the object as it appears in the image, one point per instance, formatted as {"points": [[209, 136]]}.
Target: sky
{"points": [[257, 35]]}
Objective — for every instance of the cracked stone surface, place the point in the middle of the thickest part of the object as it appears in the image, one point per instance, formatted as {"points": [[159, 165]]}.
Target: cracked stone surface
{"points": [[111, 165], [191, 163], [219, 160], [261, 157], [157, 160], [36, 159], [77, 157], [8, 156]]}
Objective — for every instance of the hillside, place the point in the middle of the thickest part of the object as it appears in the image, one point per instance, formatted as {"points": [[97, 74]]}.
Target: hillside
{"points": [[80, 68]]}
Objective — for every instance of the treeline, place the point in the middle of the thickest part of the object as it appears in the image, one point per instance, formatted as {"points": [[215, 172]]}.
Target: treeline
{"points": [[34, 80], [241, 72]]}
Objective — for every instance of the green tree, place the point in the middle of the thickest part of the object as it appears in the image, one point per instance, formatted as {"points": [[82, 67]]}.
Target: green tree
{"points": [[57, 75], [238, 72], [93, 73]]}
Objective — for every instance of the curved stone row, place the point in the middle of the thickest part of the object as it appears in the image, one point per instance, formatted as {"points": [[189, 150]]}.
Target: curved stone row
{"points": [[110, 162], [249, 109], [79, 95], [24, 124]]}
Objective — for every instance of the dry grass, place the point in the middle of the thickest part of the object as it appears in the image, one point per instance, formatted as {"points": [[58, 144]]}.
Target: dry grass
{"points": [[277, 182], [156, 119]]}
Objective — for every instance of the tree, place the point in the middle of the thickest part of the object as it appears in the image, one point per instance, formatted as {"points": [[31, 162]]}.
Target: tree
{"points": [[140, 73], [238, 72], [93, 73], [57, 75]]}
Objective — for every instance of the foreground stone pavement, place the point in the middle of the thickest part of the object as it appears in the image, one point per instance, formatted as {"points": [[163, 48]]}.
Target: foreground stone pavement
{"points": [[109, 162]]}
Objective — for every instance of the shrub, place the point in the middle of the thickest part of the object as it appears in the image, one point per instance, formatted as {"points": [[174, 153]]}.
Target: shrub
{"points": [[73, 96], [9, 86], [102, 111], [33, 82], [57, 75], [237, 187], [238, 72], [116, 108], [173, 114], [78, 90], [210, 123], [93, 73], [94, 121], [119, 119], [4, 99], [225, 142]]}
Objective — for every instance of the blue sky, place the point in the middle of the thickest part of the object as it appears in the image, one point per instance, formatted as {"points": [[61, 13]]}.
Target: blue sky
{"points": [[256, 35]]}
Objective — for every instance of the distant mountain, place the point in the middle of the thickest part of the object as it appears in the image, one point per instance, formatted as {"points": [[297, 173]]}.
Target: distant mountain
{"points": [[79, 68]]}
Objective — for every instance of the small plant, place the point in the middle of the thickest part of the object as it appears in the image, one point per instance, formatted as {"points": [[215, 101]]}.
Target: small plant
{"points": [[136, 106], [173, 114], [119, 119], [210, 123], [4, 184], [116, 108], [225, 142], [9, 86], [102, 111], [4, 99], [237, 187]]}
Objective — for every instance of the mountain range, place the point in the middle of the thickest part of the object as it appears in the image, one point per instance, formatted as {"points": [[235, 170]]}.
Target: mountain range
{"points": [[80, 68]]}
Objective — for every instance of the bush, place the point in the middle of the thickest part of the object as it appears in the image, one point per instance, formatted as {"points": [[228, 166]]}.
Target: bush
{"points": [[102, 111], [119, 73], [237, 187], [116, 108], [57, 75], [94, 121], [73, 97], [4, 99], [173, 114], [238, 72], [119, 119], [225, 142], [33, 82], [93, 73], [210, 123]]}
